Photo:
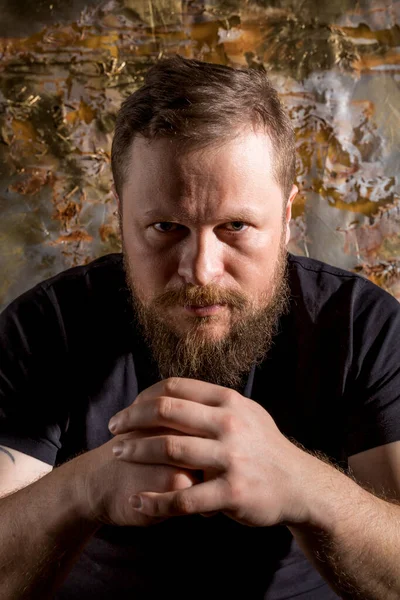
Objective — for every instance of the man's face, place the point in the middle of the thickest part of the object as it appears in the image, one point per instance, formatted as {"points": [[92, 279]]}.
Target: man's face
{"points": [[205, 228]]}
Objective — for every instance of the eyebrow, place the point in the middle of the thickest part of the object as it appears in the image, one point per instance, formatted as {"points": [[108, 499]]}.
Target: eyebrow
{"points": [[243, 214]]}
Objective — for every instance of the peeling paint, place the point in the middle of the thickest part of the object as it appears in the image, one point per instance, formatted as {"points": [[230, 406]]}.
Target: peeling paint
{"points": [[65, 70]]}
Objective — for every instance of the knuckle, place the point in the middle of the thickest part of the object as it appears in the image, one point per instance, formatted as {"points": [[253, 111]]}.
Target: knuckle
{"points": [[163, 407], [183, 504], [157, 506], [229, 423], [170, 385], [227, 396], [236, 493], [172, 448], [130, 447]]}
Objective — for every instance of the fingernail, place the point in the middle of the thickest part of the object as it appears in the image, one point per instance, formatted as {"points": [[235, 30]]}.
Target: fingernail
{"points": [[136, 502], [113, 424], [118, 448]]}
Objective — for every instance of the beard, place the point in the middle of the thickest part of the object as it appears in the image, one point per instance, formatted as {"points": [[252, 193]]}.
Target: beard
{"points": [[193, 353]]}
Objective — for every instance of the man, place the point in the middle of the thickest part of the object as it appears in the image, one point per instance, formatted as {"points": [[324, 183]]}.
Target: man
{"points": [[244, 384]]}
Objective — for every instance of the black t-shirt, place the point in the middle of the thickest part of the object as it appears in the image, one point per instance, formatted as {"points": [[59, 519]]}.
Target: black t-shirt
{"points": [[70, 358]]}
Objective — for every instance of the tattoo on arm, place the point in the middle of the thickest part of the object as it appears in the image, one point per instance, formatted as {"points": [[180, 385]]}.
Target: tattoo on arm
{"points": [[8, 453]]}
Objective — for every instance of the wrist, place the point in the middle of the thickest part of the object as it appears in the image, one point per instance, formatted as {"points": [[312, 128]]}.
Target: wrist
{"points": [[324, 492], [314, 490], [79, 477]]}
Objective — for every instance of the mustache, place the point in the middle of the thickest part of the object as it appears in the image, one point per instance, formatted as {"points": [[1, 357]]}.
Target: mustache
{"points": [[193, 295]]}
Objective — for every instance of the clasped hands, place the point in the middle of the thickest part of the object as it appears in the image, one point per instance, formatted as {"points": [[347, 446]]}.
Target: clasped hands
{"points": [[252, 472]]}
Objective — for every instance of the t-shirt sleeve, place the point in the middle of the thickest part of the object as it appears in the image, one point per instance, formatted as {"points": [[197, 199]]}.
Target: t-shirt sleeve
{"points": [[373, 398], [32, 362]]}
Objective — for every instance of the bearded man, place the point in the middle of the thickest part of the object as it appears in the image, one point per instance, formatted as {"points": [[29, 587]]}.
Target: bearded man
{"points": [[203, 372]]}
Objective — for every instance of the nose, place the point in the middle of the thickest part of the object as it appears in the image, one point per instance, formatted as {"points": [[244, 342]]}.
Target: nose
{"points": [[201, 260]]}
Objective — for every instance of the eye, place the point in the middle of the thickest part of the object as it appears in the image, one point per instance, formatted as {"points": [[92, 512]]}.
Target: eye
{"points": [[237, 226], [166, 227]]}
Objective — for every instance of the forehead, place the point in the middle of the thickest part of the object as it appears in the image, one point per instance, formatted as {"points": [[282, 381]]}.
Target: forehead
{"points": [[234, 174]]}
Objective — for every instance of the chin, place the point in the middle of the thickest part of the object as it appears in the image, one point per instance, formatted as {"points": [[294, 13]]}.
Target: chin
{"points": [[205, 327]]}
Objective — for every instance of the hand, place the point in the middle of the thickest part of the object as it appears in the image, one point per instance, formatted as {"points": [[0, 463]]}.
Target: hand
{"points": [[252, 472], [105, 485]]}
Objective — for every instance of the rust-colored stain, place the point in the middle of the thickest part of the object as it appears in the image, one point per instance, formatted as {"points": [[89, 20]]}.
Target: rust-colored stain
{"points": [[66, 67], [75, 236]]}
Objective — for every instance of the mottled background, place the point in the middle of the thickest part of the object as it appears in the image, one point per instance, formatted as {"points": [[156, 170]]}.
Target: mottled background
{"points": [[66, 66]]}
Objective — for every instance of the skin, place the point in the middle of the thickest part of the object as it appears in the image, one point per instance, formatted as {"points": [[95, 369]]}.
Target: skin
{"points": [[208, 218], [180, 426], [201, 194], [251, 471]]}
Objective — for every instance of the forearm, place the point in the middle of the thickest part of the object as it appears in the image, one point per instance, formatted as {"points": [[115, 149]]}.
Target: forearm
{"points": [[353, 540], [43, 531]]}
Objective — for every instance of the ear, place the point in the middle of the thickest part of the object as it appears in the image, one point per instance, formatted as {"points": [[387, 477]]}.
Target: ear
{"points": [[288, 214]]}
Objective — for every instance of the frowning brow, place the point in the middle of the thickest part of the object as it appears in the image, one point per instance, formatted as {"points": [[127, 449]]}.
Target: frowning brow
{"points": [[243, 214]]}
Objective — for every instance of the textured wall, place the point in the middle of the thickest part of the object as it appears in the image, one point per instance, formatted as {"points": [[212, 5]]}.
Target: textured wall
{"points": [[65, 67]]}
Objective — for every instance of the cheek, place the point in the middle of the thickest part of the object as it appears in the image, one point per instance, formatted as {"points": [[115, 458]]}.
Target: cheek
{"points": [[150, 271], [144, 250], [258, 260], [256, 274]]}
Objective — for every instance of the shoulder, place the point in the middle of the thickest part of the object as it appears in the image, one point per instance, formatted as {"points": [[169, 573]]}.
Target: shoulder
{"points": [[76, 293], [321, 286], [98, 271], [103, 276], [310, 269]]}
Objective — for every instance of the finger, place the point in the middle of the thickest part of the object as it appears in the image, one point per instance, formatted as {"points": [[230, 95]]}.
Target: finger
{"points": [[194, 390], [165, 411], [210, 514], [180, 451], [184, 480], [204, 497], [161, 478]]}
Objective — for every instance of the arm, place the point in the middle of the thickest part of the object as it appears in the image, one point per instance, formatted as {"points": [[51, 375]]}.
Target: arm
{"points": [[18, 469], [259, 478], [355, 539], [43, 530], [352, 537], [45, 526]]}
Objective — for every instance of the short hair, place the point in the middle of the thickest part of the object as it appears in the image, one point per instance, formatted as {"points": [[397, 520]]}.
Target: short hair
{"points": [[201, 104]]}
